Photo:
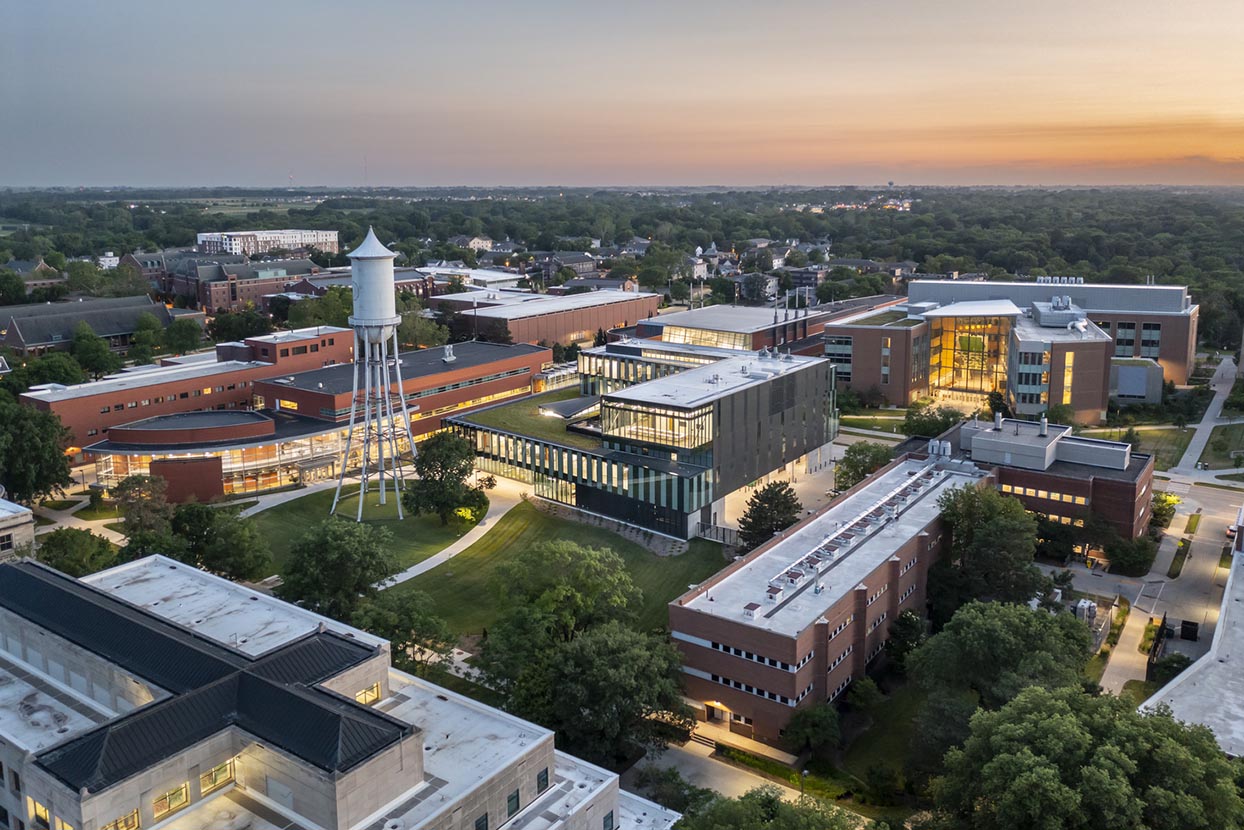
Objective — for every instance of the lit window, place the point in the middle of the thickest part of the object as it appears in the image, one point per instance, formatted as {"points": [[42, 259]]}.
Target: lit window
{"points": [[171, 801], [216, 777], [63, 825], [38, 813], [126, 822], [1081, 500], [369, 695]]}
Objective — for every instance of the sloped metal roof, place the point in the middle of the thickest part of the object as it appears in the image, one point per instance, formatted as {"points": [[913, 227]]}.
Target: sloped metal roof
{"points": [[212, 687]]}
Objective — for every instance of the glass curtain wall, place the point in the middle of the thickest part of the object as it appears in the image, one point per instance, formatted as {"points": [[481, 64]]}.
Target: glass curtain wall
{"points": [[657, 425], [969, 354]]}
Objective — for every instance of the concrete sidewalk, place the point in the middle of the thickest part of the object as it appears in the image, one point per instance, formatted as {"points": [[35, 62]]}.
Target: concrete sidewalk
{"points": [[1126, 660], [1224, 377]]}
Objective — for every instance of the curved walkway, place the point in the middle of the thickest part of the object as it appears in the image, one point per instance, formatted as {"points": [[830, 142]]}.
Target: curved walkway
{"points": [[501, 500], [65, 518]]}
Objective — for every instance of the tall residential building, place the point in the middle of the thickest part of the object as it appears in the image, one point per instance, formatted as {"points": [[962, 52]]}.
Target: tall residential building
{"points": [[153, 695], [260, 242]]}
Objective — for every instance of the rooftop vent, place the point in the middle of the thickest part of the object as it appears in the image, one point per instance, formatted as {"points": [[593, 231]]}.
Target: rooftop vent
{"points": [[449, 354]]}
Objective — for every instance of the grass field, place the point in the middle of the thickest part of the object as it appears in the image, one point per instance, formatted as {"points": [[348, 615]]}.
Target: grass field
{"points": [[1167, 446], [1136, 692], [1222, 441], [887, 741], [880, 424], [104, 511], [58, 504], [463, 592], [414, 539]]}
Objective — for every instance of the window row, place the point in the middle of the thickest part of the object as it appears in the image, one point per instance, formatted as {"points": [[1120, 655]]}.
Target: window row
{"points": [[877, 595], [838, 660], [908, 565], [745, 687], [841, 627], [1051, 495], [194, 393], [767, 661], [875, 623]]}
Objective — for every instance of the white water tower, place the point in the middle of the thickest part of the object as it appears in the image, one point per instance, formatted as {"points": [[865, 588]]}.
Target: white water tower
{"points": [[374, 420]]}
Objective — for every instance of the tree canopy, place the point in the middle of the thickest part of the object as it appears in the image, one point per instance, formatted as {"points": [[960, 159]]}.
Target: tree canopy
{"points": [[860, 460], [1058, 759], [220, 541], [32, 452], [75, 552], [335, 566], [443, 464], [772, 508], [419, 639]]}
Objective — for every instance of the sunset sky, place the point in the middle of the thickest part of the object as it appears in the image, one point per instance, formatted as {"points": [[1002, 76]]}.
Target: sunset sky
{"points": [[577, 92]]}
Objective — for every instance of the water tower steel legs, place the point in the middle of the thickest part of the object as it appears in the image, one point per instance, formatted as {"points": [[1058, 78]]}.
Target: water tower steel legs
{"points": [[379, 420]]}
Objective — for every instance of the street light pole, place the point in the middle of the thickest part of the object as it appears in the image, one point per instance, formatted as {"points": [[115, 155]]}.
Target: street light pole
{"points": [[803, 776]]}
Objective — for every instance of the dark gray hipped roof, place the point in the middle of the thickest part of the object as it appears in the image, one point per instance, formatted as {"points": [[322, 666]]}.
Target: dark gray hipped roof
{"points": [[212, 687], [55, 323]]}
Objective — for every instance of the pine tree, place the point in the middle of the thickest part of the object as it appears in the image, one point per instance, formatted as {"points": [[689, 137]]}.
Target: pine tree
{"points": [[772, 508]]}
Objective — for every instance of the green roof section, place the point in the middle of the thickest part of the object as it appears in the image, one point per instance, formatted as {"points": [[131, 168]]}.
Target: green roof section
{"points": [[523, 417]]}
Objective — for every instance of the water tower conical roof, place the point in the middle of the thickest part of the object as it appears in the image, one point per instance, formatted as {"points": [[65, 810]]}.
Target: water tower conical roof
{"points": [[371, 248]]}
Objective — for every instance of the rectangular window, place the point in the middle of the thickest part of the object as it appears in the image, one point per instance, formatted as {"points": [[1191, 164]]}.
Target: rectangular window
{"points": [[607, 824], [15, 782], [481, 823], [63, 825], [38, 813], [216, 777], [284, 352], [1069, 363], [542, 780], [126, 822], [6, 542], [369, 695], [511, 804], [300, 350], [171, 801], [4, 817]]}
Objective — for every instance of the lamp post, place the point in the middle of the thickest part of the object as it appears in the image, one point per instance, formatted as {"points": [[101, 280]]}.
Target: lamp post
{"points": [[803, 776]]}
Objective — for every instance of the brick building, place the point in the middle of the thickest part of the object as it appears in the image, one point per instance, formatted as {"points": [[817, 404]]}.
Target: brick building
{"points": [[293, 428], [44, 327], [792, 623], [222, 380], [532, 318]]}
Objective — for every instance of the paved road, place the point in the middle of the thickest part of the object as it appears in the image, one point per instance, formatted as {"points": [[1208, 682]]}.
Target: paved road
{"points": [[696, 767]]}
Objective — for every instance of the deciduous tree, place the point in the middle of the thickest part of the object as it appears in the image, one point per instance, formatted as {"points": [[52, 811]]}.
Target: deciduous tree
{"points": [[814, 728], [765, 808], [419, 639], [32, 452], [92, 352], [220, 541], [444, 463], [859, 461], [75, 552], [335, 566], [183, 336], [1064, 760]]}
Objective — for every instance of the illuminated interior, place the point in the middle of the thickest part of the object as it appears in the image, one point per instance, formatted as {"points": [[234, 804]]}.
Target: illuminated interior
{"points": [[968, 354]]}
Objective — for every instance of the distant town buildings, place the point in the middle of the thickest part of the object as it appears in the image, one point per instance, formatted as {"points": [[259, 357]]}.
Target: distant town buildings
{"points": [[154, 694], [249, 243]]}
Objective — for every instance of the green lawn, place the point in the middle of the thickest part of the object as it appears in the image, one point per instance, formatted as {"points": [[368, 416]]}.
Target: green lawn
{"points": [[1225, 559], [1136, 692], [887, 741], [1194, 521], [1222, 441], [1167, 446], [58, 504], [880, 424], [415, 539], [43, 521], [118, 527], [1181, 556], [1096, 666], [104, 511], [523, 417], [463, 593]]}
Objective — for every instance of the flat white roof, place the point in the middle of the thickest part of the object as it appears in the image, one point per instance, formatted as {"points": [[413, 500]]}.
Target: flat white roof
{"points": [[31, 718], [1027, 329], [478, 275], [139, 380], [740, 319], [836, 549], [976, 308], [535, 305], [704, 384], [309, 333], [1211, 690], [231, 614]]}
